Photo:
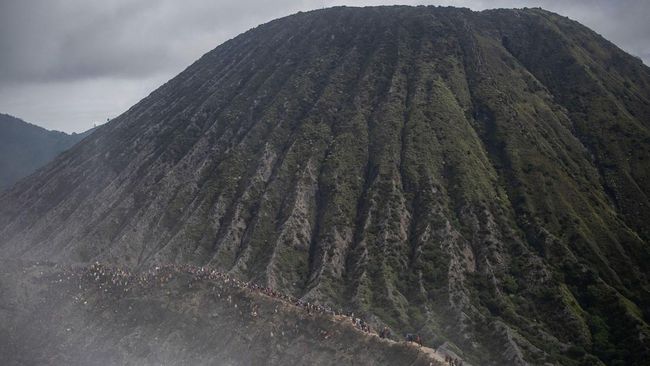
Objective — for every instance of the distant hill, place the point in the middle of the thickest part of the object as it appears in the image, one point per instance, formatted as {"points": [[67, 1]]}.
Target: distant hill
{"points": [[25, 147]]}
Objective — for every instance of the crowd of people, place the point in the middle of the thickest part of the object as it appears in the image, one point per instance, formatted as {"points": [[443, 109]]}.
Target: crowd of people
{"points": [[413, 338], [119, 280], [115, 279]]}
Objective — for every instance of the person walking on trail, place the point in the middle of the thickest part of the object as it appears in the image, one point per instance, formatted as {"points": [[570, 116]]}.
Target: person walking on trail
{"points": [[414, 338], [418, 340]]}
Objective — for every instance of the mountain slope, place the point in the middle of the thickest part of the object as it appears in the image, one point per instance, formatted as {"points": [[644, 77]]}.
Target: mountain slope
{"points": [[105, 316], [476, 177], [25, 147]]}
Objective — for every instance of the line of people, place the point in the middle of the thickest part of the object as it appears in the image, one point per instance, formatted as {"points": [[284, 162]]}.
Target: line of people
{"points": [[119, 280]]}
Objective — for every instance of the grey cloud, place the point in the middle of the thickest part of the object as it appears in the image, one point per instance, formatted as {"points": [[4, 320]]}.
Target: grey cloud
{"points": [[44, 41], [63, 40]]}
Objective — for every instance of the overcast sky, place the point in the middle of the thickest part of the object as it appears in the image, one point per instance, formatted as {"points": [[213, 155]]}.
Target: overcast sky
{"points": [[67, 64]]}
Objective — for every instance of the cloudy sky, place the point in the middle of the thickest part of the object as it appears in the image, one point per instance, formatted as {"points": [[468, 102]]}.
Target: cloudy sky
{"points": [[67, 64]]}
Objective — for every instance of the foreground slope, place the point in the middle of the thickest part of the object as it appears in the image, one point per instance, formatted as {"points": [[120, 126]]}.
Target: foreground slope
{"points": [[99, 315], [476, 177], [25, 147]]}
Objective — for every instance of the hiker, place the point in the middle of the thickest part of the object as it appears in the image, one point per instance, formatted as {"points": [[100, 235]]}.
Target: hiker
{"points": [[414, 338]]}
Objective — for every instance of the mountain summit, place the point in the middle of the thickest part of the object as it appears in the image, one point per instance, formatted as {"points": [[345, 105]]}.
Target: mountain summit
{"points": [[480, 178]]}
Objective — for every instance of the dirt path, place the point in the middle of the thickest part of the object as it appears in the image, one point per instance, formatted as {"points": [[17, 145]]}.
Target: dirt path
{"points": [[433, 354]]}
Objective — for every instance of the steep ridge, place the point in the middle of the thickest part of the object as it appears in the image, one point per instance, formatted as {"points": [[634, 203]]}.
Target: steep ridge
{"points": [[480, 178], [25, 147]]}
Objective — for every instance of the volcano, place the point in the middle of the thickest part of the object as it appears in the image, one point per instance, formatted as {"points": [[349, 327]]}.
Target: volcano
{"points": [[479, 178]]}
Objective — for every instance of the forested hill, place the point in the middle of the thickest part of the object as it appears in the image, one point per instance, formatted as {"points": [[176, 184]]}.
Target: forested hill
{"points": [[25, 147]]}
